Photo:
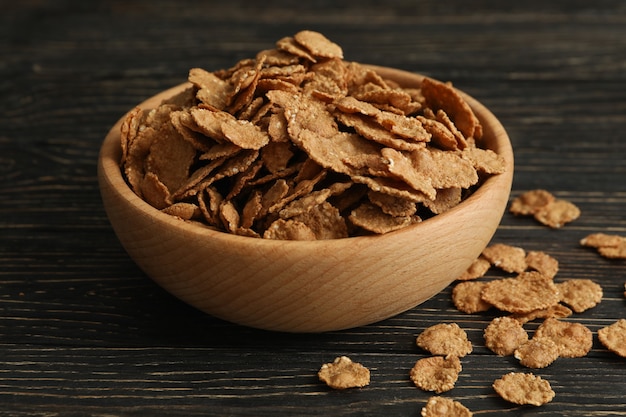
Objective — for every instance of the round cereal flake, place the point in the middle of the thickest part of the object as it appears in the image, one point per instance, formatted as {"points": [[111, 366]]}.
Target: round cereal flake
{"points": [[524, 388], [466, 297], [445, 339], [342, 373], [574, 340], [527, 292], [580, 294], [503, 335], [436, 373], [444, 407], [538, 352]]}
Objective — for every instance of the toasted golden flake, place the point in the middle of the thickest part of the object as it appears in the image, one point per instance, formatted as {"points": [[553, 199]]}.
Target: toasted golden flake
{"points": [[438, 406], [184, 211], [343, 373], [613, 337], [394, 206], [537, 353], [557, 311], [212, 90], [436, 373], [527, 292], [477, 269], [580, 294], [439, 95], [289, 229], [524, 389], [529, 202], [504, 335], [542, 262], [318, 45], [574, 340], [466, 297], [608, 245], [445, 339], [506, 257], [371, 218], [557, 213]]}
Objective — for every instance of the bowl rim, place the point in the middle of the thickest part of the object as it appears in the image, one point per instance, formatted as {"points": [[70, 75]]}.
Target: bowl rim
{"points": [[110, 175]]}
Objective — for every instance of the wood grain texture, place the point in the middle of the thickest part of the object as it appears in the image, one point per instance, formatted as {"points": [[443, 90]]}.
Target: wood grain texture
{"points": [[84, 332]]}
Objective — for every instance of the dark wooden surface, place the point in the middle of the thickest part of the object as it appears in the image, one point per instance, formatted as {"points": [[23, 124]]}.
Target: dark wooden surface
{"points": [[83, 332]]}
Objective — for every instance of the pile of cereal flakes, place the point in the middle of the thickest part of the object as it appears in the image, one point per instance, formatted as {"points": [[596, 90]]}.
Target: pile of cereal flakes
{"points": [[299, 144], [528, 293]]}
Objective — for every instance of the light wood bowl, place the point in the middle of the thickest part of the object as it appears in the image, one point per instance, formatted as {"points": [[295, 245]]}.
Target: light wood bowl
{"points": [[306, 286]]}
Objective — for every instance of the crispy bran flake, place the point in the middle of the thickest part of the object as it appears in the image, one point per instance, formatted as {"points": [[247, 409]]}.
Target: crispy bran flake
{"points": [[466, 297], [580, 294], [574, 340], [445, 339], [241, 130], [438, 406], [504, 335], [536, 353], [343, 373], [613, 337], [542, 262], [477, 269], [557, 214], [506, 257], [527, 292], [545, 208], [608, 245], [529, 202], [524, 388], [436, 373]]}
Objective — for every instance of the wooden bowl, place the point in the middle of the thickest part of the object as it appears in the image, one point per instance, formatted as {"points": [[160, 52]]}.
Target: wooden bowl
{"points": [[306, 286]]}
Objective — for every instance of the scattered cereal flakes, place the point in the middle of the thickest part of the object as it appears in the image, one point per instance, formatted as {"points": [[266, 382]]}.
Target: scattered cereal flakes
{"points": [[504, 335], [530, 202], [257, 135], [436, 373], [557, 213], [538, 352], [466, 297], [444, 407], [445, 339], [342, 373], [607, 245], [574, 340], [598, 240], [477, 269], [527, 292], [580, 294], [543, 263], [557, 311], [506, 257], [613, 337], [524, 388]]}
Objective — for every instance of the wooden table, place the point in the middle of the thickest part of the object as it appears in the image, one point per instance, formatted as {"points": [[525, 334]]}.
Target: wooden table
{"points": [[83, 332]]}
